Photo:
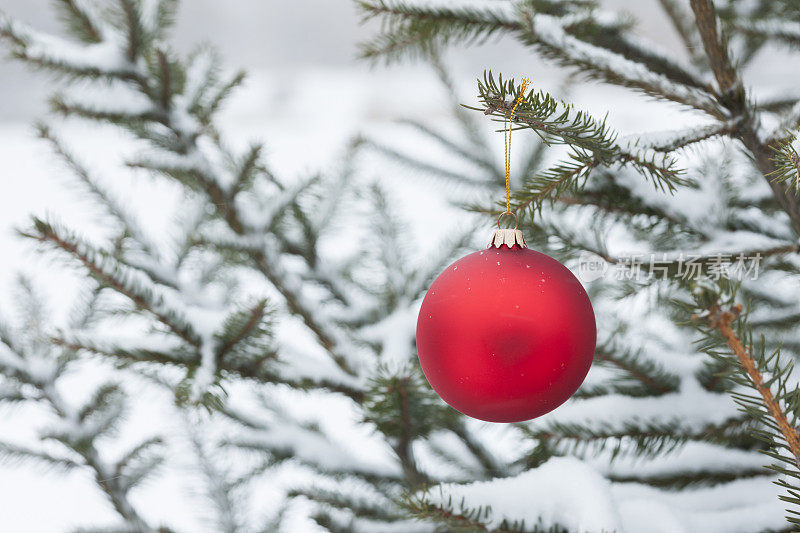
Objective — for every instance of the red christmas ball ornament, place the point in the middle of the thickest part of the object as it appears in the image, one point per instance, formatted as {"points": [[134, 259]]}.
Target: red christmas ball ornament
{"points": [[506, 334]]}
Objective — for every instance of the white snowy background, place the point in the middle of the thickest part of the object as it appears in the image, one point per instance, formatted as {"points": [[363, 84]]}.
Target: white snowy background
{"points": [[306, 97]]}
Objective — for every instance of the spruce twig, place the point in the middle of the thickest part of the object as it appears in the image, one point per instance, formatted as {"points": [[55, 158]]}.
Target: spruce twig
{"points": [[591, 141], [721, 320]]}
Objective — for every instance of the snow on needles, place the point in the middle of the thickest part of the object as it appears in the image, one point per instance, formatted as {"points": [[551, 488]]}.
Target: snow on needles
{"points": [[562, 491], [570, 493], [106, 56]]}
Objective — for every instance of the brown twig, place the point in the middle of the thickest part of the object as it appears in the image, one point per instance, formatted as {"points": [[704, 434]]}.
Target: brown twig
{"points": [[721, 321], [716, 46]]}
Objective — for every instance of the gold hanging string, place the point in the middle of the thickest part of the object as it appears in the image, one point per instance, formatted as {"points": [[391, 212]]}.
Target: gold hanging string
{"points": [[508, 124]]}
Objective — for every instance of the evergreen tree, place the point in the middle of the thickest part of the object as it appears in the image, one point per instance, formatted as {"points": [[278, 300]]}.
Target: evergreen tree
{"points": [[696, 202], [653, 440]]}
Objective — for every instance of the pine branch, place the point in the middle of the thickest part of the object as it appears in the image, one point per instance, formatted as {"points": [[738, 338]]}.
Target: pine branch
{"points": [[288, 201], [134, 475], [134, 459], [593, 62], [733, 97], [299, 305], [262, 251], [59, 55], [177, 356], [676, 481], [248, 170], [121, 278], [573, 37], [105, 397], [565, 178], [655, 379], [113, 205], [464, 518], [191, 167], [283, 438], [619, 40], [418, 29], [676, 140], [249, 329], [116, 493], [131, 22], [266, 263], [21, 453], [613, 200], [592, 144], [165, 77], [722, 321], [176, 127], [219, 96], [163, 17], [256, 370], [40, 367], [122, 115], [221, 491], [404, 409], [568, 178], [80, 20], [553, 120], [358, 507], [774, 403], [639, 438]]}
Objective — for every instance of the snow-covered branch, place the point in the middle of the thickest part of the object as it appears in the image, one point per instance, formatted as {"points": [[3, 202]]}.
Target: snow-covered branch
{"points": [[76, 430]]}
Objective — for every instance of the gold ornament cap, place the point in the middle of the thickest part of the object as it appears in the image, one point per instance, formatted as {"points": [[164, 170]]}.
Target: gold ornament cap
{"points": [[509, 237]]}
